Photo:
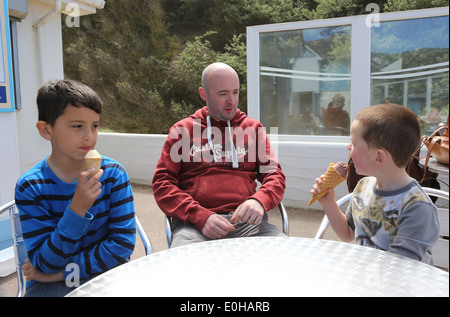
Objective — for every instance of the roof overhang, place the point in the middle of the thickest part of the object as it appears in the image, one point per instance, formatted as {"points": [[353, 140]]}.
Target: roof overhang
{"points": [[84, 7]]}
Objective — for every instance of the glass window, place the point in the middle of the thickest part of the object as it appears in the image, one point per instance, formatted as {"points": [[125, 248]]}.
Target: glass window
{"points": [[409, 66], [305, 80]]}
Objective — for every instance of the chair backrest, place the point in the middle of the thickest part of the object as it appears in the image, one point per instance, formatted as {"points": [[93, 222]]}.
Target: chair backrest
{"points": [[20, 252], [441, 250], [324, 224], [284, 219], [168, 224]]}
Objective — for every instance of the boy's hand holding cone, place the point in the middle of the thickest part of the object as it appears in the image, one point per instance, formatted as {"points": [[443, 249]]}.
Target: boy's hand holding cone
{"points": [[335, 174], [87, 191], [93, 160]]}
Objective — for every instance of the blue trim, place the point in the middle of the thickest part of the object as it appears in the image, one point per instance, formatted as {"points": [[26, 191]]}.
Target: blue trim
{"points": [[8, 68]]}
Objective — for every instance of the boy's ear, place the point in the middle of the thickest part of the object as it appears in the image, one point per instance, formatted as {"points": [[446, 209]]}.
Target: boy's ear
{"points": [[45, 130], [381, 157]]}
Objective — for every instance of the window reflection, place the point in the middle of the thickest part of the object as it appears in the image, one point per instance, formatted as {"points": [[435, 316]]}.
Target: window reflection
{"points": [[305, 81], [410, 67]]}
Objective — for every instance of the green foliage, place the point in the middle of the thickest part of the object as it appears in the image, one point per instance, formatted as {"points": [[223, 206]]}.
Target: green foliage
{"points": [[186, 70], [145, 57], [230, 17], [403, 5], [327, 9], [124, 53]]}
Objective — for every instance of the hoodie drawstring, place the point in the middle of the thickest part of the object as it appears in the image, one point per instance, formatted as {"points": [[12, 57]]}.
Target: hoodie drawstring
{"points": [[233, 149], [211, 145]]}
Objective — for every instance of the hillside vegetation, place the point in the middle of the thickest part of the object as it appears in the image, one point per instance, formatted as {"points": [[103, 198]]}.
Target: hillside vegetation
{"points": [[145, 57]]}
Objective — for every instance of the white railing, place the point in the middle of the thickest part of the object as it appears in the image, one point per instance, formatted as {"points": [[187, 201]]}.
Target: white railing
{"points": [[302, 162]]}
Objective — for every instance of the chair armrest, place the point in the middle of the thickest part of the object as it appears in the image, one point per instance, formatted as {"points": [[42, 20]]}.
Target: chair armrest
{"points": [[144, 237]]}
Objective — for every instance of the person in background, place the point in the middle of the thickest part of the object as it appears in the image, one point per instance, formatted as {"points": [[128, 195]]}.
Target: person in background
{"points": [[335, 119]]}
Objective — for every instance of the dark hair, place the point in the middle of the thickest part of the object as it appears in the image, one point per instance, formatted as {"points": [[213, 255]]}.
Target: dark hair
{"points": [[54, 97], [392, 127]]}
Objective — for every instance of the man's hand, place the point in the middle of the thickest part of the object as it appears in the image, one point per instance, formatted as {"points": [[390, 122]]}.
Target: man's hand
{"points": [[216, 227], [87, 191], [251, 211]]}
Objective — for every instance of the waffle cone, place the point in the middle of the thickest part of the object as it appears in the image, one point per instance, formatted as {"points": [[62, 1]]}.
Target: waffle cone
{"points": [[94, 163], [330, 180]]}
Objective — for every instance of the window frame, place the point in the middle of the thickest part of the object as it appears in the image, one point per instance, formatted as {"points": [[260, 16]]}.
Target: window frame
{"points": [[360, 85], [15, 63]]}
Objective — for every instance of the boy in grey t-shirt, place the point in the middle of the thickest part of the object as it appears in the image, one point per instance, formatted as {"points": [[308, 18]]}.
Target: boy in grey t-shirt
{"points": [[388, 210]]}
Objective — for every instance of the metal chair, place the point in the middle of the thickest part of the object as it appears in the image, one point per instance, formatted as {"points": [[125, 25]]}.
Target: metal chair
{"points": [[144, 237], [284, 219], [441, 249], [324, 224], [20, 251]]}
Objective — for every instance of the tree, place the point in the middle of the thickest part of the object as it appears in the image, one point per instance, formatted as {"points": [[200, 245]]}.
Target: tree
{"points": [[145, 57], [124, 53], [186, 68], [404, 5]]}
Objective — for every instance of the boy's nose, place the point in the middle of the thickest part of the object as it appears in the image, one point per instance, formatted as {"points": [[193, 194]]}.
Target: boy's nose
{"points": [[87, 135]]}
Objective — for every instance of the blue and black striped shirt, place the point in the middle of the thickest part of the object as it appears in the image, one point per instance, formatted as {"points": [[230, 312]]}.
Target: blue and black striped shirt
{"points": [[55, 236]]}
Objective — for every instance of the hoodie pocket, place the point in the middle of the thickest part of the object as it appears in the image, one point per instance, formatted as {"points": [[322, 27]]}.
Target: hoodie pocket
{"points": [[222, 190]]}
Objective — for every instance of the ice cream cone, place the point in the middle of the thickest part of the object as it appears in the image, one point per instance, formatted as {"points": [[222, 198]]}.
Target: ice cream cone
{"points": [[93, 160], [330, 180]]}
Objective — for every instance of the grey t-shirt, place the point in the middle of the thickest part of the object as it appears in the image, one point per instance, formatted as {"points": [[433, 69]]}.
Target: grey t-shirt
{"points": [[403, 221]]}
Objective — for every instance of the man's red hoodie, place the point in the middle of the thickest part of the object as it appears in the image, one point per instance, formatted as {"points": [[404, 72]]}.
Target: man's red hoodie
{"points": [[200, 172]]}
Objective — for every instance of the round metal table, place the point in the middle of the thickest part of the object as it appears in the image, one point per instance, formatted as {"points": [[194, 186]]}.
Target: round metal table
{"points": [[270, 267]]}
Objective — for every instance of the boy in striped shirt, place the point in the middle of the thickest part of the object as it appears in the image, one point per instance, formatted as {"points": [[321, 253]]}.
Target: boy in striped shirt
{"points": [[76, 223]]}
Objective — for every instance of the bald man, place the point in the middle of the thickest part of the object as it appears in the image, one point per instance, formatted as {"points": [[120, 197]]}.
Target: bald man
{"points": [[206, 176]]}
